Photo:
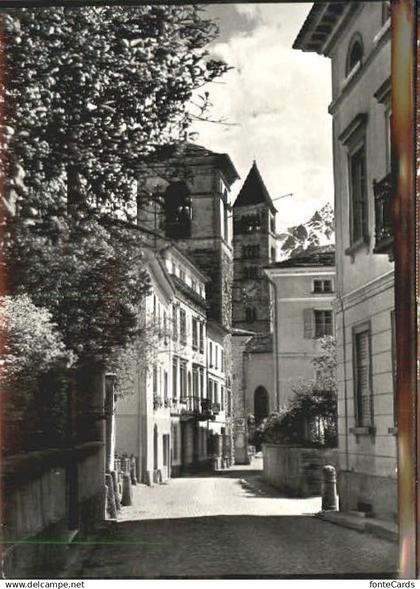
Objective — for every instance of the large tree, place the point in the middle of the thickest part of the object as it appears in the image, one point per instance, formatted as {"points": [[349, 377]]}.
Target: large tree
{"points": [[90, 95]]}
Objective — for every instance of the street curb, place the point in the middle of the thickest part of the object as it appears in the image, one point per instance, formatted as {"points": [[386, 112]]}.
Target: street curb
{"points": [[379, 528]]}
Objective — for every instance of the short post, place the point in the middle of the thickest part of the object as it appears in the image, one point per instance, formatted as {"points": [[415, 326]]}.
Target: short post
{"points": [[133, 470], [116, 491], [329, 488], [110, 497], [127, 492]]}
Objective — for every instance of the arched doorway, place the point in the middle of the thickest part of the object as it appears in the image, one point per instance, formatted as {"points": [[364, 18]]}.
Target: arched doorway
{"points": [[261, 404]]}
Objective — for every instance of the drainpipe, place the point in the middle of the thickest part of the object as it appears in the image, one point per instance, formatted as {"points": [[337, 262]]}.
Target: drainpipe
{"points": [[346, 416], [275, 332]]}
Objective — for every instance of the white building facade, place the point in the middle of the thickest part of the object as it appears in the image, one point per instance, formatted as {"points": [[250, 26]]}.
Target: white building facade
{"points": [[356, 37]]}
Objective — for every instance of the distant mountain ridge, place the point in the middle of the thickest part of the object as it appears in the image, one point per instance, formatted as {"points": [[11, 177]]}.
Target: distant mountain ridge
{"points": [[318, 231]]}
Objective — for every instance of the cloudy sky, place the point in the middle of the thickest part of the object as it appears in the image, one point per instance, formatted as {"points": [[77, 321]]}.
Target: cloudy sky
{"points": [[278, 98]]}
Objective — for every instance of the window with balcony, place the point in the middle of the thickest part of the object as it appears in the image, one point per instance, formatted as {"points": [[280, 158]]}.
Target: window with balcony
{"points": [[194, 333], [201, 332], [183, 326], [201, 383], [358, 196], [210, 390], [195, 382], [174, 323], [183, 380], [174, 378], [165, 385]]}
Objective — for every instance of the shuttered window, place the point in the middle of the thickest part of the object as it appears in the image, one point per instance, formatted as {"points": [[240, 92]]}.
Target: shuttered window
{"points": [[308, 324], [363, 379]]}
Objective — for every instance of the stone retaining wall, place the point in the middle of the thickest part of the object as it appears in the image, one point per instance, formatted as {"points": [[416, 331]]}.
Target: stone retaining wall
{"points": [[296, 470]]}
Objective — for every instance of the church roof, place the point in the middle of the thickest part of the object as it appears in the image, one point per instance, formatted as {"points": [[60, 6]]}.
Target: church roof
{"points": [[254, 191], [192, 150], [315, 256]]}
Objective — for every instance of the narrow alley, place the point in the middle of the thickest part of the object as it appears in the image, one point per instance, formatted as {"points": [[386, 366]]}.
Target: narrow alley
{"points": [[229, 524]]}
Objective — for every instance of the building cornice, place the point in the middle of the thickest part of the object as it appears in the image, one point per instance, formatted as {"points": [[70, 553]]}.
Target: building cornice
{"points": [[350, 82], [368, 290]]}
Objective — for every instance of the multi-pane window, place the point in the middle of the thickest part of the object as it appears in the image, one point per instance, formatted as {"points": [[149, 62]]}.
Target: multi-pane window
{"points": [[358, 195], [183, 325], [195, 382], [174, 378], [323, 286], [323, 323], [201, 383], [183, 380], [363, 378], [194, 333], [155, 379], [201, 331], [174, 322], [165, 385]]}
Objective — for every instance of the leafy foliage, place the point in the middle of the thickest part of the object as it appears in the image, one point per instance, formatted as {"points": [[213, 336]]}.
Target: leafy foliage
{"points": [[90, 95], [91, 92], [31, 341], [310, 417]]}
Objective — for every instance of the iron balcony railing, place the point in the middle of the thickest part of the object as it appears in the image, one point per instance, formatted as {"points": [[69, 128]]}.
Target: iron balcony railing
{"points": [[194, 407], [383, 216]]}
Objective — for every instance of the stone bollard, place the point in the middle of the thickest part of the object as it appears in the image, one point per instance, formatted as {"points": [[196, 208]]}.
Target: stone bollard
{"points": [[133, 471], [127, 491], [110, 497], [116, 491], [329, 488]]}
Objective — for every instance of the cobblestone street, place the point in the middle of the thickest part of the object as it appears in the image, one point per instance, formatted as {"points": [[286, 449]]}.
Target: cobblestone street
{"points": [[229, 525]]}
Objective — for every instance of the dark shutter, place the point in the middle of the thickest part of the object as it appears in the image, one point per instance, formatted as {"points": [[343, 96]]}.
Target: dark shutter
{"points": [[363, 379], [308, 323]]}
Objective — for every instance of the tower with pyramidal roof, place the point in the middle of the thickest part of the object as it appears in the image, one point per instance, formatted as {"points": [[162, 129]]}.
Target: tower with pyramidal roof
{"points": [[254, 246]]}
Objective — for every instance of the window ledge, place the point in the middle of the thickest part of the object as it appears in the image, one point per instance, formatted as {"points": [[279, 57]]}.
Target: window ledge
{"points": [[368, 430], [351, 75], [385, 28], [357, 246]]}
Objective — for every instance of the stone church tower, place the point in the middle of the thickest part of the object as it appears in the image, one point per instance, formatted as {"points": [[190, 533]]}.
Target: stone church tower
{"points": [[254, 245]]}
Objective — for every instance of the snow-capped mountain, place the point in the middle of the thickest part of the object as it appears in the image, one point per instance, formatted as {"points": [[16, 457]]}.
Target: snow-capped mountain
{"points": [[318, 231]]}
